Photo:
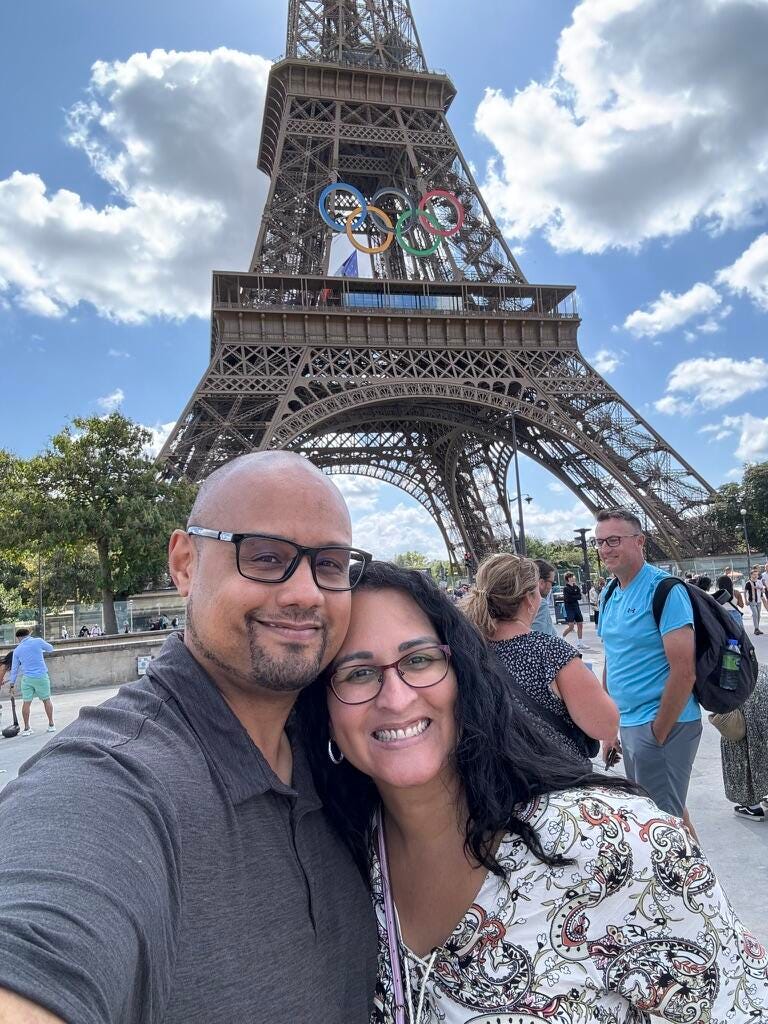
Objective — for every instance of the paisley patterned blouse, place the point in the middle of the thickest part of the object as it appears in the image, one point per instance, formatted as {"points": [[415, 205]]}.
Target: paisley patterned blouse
{"points": [[636, 929]]}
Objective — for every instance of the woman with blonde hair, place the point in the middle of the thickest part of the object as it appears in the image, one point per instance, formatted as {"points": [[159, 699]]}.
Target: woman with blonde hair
{"points": [[549, 677]]}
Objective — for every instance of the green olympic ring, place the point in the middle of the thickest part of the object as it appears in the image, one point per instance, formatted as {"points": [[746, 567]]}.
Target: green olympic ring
{"points": [[409, 248]]}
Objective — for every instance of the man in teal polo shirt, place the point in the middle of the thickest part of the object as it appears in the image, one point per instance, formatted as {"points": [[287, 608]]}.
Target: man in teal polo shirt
{"points": [[649, 671], [28, 659]]}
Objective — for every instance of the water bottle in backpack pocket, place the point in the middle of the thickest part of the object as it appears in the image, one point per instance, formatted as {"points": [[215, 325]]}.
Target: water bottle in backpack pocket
{"points": [[730, 666]]}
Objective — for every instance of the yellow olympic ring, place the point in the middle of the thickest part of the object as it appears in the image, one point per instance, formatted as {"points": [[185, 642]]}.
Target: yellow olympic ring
{"points": [[370, 249]]}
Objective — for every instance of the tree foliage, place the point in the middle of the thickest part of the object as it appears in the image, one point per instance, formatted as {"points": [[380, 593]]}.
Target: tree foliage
{"points": [[93, 505], [725, 524], [412, 560]]}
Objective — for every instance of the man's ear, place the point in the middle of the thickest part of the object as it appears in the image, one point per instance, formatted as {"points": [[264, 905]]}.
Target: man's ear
{"points": [[182, 559]]}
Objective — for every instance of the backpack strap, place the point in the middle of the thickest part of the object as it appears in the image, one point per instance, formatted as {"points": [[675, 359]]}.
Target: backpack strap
{"points": [[660, 596], [609, 590]]}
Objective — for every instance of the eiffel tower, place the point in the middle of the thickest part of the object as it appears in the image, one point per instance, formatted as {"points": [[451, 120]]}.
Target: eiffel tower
{"points": [[433, 372]]}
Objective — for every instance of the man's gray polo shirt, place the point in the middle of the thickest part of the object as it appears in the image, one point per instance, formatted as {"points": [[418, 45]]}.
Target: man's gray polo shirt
{"points": [[154, 869]]}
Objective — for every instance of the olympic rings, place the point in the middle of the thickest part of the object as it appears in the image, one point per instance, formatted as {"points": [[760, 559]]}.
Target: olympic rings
{"points": [[408, 219], [372, 248], [337, 188]]}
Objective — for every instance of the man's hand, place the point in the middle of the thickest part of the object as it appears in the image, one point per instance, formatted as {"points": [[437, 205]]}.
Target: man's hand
{"points": [[659, 734], [611, 752]]}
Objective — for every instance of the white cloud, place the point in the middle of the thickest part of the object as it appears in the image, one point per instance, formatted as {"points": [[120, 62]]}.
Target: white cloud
{"points": [[749, 273], [555, 524], [556, 487], [402, 528], [160, 433], [605, 361], [717, 430], [753, 437], [175, 136], [361, 493], [638, 134], [111, 402], [711, 383], [670, 311], [673, 406], [709, 327], [117, 353]]}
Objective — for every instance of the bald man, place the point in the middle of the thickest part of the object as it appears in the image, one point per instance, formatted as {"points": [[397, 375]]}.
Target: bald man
{"points": [[166, 858]]}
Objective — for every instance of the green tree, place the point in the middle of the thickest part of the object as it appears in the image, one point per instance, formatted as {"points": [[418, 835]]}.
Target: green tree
{"points": [[13, 577], [95, 487], [412, 560], [755, 497]]}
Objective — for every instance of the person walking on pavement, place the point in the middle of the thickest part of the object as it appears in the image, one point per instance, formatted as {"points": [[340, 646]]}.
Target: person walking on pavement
{"points": [[542, 621], [754, 592], [594, 599], [571, 598], [175, 863], [649, 671], [29, 660]]}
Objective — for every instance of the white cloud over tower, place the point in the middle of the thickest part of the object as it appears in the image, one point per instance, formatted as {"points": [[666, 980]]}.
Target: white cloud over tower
{"points": [[175, 136], [648, 126]]}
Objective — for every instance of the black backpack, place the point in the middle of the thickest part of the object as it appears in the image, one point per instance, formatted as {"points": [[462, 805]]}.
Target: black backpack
{"points": [[714, 627]]}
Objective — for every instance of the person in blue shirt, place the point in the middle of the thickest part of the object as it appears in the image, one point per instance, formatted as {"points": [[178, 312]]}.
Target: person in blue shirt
{"points": [[649, 671], [29, 660], [542, 622]]}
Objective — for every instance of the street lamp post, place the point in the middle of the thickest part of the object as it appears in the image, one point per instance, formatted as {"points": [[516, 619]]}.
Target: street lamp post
{"points": [[519, 498], [746, 538], [521, 536], [582, 535]]}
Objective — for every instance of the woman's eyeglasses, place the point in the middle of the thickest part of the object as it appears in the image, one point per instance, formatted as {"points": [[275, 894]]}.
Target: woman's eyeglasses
{"points": [[357, 684]]}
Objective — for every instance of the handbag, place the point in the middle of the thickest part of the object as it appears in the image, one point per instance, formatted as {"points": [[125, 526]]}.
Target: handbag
{"points": [[732, 725], [587, 746]]}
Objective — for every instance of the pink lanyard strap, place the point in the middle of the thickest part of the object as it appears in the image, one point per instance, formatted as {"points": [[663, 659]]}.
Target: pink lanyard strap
{"points": [[389, 916]]}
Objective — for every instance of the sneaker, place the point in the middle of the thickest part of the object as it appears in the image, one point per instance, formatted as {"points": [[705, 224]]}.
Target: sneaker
{"points": [[582, 647], [749, 812], [27, 732], [51, 728], [758, 632]]}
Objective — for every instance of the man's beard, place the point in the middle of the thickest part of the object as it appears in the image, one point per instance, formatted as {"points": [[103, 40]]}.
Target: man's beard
{"points": [[294, 671], [291, 673]]}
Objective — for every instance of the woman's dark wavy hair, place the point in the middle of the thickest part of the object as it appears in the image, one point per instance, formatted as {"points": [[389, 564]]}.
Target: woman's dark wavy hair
{"points": [[501, 759]]}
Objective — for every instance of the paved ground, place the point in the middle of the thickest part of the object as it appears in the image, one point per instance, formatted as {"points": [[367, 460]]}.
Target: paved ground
{"points": [[737, 848]]}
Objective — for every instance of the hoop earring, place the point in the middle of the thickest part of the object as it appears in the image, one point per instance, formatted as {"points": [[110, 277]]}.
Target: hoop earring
{"points": [[332, 756]]}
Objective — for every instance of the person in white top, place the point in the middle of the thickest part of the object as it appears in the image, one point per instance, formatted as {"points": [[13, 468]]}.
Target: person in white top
{"points": [[754, 591], [510, 884], [594, 598]]}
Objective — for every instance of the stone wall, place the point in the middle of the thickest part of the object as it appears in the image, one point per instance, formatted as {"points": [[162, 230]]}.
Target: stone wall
{"points": [[100, 661]]}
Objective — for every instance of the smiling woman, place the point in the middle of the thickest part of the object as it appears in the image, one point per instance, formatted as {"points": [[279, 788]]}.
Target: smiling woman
{"points": [[463, 816]]}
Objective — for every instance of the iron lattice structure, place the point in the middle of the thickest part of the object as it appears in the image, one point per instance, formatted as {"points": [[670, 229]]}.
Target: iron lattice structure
{"points": [[431, 372]]}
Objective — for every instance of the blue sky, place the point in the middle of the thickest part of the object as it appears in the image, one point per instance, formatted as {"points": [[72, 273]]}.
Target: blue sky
{"points": [[616, 155]]}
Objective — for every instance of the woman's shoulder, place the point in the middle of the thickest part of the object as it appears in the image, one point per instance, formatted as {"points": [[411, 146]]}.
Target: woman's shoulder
{"points": [[571, 821], [544, 645], [554, 646]]}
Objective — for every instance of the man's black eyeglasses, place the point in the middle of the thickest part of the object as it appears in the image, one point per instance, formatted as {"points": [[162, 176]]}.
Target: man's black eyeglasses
{"points": [[611, 542], [267, 559]]}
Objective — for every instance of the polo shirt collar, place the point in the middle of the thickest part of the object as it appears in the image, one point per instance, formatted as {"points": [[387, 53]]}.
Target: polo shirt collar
{"points": [[241, 765]]}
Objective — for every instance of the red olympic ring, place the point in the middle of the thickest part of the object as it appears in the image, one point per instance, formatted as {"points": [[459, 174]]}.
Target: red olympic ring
{"points": [[442, 194]]}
